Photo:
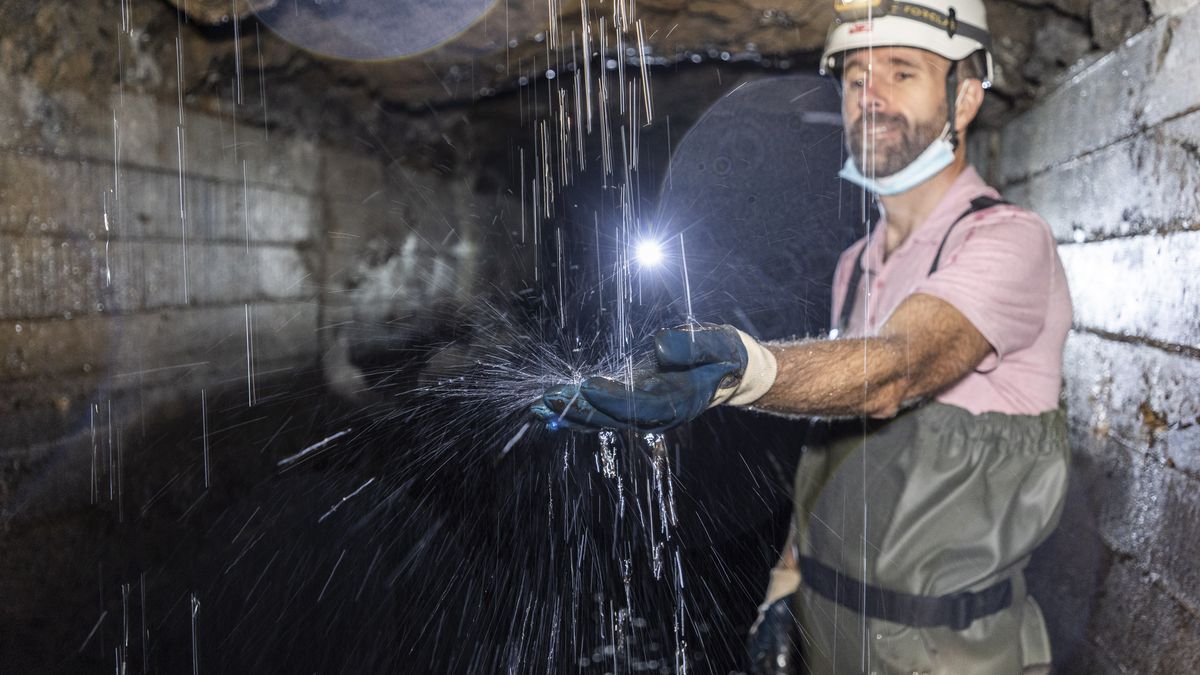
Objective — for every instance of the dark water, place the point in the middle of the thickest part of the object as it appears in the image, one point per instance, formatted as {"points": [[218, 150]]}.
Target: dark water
{"points": [[454, 559]]}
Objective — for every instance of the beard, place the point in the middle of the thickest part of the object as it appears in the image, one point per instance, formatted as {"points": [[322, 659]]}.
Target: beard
{"points": [[885, 158]]}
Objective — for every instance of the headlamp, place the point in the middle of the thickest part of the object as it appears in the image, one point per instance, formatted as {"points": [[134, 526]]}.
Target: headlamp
{"points": [[857, 10]]}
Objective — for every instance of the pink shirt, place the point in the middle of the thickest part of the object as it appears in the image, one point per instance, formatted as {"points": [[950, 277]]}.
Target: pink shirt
{"points": [[1000, 268]]}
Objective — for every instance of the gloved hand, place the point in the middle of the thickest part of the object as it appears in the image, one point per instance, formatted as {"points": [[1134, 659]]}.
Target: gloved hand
{"points": [[773, 645], [698, 367]]}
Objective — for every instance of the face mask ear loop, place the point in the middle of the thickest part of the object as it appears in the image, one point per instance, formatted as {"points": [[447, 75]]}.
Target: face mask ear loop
{"points": [[952, 102]]}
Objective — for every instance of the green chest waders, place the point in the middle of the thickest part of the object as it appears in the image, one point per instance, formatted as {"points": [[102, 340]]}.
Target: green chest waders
{"points": [[913, 533], [937, 512]]}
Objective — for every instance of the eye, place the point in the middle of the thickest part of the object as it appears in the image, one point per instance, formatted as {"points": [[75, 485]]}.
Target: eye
{"points": [[902, 75]]}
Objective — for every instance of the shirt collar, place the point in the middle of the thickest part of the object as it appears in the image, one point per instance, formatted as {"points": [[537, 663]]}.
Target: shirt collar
{"points": [[967, 187]]}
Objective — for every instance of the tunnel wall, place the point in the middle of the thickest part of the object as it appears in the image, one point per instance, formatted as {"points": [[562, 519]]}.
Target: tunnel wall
{"points": [[188, 208], [115, 306], [1111, 160]]}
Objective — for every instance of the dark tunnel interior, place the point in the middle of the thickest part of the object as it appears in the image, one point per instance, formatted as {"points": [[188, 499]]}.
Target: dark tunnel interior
{"points": [[282, 280]]}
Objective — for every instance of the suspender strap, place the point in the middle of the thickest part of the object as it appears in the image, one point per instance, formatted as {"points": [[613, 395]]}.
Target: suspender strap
{"points": [[978, 204], [957, 611], [852, 291]]}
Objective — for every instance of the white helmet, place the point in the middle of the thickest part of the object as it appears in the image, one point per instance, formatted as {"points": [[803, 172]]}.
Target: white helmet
{"points": [[954, 29]]}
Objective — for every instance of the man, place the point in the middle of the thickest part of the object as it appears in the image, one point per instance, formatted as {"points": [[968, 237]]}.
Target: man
{"points": [[917, 512]]}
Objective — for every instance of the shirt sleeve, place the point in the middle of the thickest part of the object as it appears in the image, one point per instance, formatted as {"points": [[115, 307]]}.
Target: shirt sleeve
{"points": [[998, 274]]}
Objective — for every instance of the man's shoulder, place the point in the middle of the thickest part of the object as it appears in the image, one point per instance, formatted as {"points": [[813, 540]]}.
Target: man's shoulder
{"points": [[984, 203], [1005, 216]]}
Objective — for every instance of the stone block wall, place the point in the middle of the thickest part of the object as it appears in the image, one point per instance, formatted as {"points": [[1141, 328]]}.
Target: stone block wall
{"points": [[183, 209], [149, 252], [1112, 160]]}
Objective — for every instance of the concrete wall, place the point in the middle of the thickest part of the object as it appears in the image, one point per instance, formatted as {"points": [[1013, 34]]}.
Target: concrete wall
{"points": [[161, 236], [148, 253], [1112, 160]]}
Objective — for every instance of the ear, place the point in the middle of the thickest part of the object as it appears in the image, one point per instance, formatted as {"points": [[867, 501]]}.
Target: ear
{"points": [[970, 100]]}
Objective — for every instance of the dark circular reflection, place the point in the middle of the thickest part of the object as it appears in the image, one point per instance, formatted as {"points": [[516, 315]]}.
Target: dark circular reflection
{"points": [[753, 189]]}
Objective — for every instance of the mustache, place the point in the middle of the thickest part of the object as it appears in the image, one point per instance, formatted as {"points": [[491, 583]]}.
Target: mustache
{"points": [[896, 121]]}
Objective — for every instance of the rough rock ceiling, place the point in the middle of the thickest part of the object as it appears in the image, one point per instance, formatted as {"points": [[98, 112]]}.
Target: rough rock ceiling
{"points": [[219, 46], [1036, 39]]}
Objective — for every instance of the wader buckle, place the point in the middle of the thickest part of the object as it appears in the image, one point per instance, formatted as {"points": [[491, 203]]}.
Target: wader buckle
{"points": [[962, 610]]}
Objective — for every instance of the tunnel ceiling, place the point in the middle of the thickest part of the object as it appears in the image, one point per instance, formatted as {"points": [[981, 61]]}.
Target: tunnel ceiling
{"points": [[209, 41], [1036, 39]]}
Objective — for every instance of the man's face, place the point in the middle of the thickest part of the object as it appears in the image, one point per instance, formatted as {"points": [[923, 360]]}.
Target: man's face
{"points": [[893, 107]]}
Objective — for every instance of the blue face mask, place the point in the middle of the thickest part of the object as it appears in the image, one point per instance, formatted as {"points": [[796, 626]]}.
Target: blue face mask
{"points": [[931, 162]]}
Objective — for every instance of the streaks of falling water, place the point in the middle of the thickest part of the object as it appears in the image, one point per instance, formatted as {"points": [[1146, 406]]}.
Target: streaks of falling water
{"points": [[123, 650], [145, 632], [559, 151], [116, 198], [308, 451], [195, 606], [111, 427], [94, 484], [641, 37], [106, 455], [120, 471], [250, 392], [687, 286], [237, 52], [562, 316], [246, 205], [348, 497], [204, 431], [663, 547], [332, 572], [91, 633], [521, 184], [587, 61], [181, 157], [607, 460], [262, 86]]}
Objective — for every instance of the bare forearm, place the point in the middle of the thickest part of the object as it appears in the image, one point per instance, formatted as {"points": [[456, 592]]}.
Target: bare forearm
{"points": [[924, 347], [837, 378]]}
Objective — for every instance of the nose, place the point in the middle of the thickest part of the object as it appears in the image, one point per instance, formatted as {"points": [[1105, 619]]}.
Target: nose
{"points": [[874, 98]]}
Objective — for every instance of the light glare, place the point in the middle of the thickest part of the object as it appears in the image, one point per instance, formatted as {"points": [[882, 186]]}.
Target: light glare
{"points": [[649, 253]]}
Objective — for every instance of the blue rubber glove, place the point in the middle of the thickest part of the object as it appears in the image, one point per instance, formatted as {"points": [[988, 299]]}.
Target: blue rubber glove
{"points": [[563, 407], [773, 644], [695, 365]]}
